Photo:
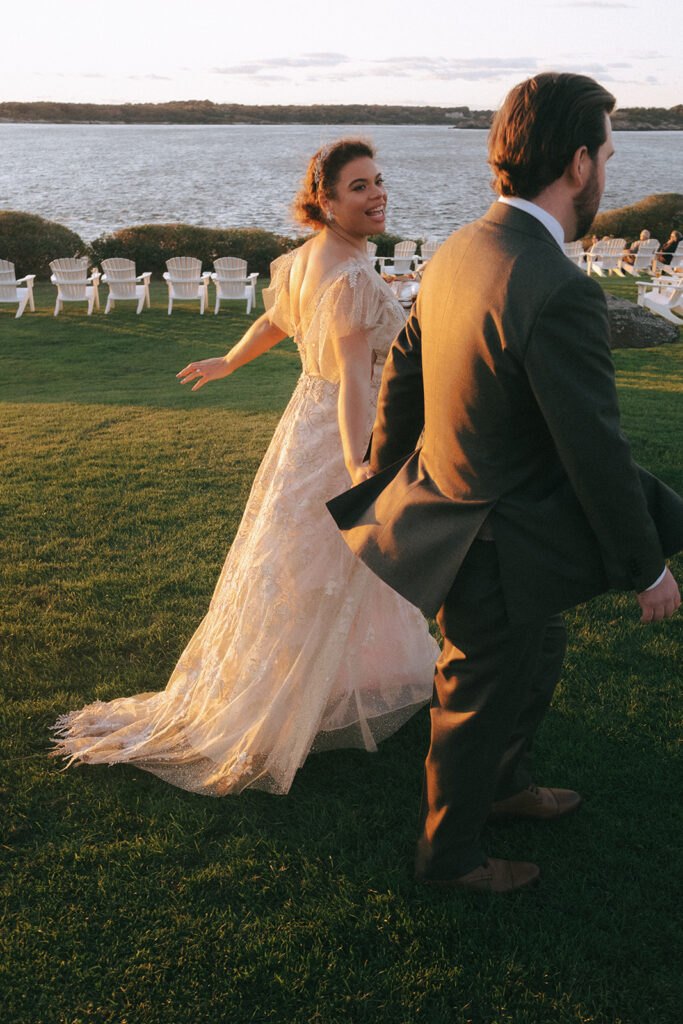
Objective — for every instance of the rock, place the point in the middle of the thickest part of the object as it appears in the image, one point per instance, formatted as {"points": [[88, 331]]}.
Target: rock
{"points": [[632, 326]]}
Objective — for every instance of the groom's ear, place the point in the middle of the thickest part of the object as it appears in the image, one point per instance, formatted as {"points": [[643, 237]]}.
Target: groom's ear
{"points": [[579, 168]]}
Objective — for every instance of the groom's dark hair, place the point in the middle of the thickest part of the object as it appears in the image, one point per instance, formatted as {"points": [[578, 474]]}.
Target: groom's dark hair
{"points": [[540, 126]]}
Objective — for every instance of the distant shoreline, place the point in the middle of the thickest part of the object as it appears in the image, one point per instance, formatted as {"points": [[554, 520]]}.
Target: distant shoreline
{"points": [[194, 113], [275, 124]]}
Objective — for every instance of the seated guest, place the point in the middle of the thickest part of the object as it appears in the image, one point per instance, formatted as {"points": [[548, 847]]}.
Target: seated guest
{"points": [[630, 253], [666, 252]]}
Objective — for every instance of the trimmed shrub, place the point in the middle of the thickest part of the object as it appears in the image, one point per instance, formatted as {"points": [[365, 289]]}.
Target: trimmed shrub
{"points": [[386, 242], [31, 243], [660, 214], [150, 245]]}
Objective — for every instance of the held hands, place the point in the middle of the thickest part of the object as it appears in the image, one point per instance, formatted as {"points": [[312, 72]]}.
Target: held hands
{"points": [[203, 371], [360, 473], [660, 602]]}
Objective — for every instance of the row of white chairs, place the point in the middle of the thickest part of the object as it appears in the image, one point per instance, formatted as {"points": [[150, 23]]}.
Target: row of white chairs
{"points": [[405, 258], [662, 294], [184, 278], [607, 257]]}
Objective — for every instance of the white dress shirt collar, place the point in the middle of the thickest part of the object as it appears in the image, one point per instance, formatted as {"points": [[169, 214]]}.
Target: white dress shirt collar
{"points": [[546, 219]]}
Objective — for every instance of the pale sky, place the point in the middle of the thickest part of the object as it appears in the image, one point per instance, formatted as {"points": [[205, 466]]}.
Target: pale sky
{"points": [[441, 52]]}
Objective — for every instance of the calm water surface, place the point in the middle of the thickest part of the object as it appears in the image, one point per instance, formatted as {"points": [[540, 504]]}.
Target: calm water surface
{"points": [[97, 178]]}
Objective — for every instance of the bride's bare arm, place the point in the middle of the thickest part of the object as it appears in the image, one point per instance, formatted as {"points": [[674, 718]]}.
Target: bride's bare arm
{"points": [[355, 364], [261, 336]]}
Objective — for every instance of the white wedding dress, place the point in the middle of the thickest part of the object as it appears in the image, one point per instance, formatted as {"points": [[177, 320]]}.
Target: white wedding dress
{"points": [[302, 647]]}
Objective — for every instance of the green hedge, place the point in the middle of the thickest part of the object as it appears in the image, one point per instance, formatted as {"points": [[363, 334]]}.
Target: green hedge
{"points": [[660, 214], [150, 245], [31, 243]]}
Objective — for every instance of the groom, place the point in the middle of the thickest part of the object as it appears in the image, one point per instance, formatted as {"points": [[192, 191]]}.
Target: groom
{"points": [[523, 499]]}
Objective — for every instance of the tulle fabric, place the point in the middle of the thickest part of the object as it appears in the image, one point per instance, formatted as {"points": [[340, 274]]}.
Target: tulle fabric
{"points": [[302, 648]]}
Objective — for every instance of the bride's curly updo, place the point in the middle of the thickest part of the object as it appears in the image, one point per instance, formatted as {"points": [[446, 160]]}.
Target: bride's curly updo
{"points": [[322, 177]]}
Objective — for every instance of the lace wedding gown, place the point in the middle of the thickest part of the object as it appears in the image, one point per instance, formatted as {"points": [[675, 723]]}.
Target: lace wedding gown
{"points": [[302, 647]]}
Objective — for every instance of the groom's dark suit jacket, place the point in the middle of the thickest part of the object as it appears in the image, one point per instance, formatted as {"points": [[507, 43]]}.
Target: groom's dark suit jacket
{"points": [[506, 364]]}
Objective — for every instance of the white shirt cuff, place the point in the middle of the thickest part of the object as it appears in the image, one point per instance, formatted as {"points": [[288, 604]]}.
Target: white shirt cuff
{"points": [[656, 582]]}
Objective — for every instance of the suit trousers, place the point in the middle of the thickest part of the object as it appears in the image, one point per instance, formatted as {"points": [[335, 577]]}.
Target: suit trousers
{"points": [[493, 684]]}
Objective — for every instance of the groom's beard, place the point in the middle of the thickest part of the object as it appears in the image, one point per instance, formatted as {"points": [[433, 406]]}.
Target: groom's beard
{"points": [[586, 205]]}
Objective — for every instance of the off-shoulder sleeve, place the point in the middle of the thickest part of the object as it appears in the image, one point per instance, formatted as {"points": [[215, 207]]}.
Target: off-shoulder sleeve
{"points": [[276, 297]]}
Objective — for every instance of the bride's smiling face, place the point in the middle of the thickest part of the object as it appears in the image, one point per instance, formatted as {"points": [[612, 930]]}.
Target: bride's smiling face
{"points": [[359, 201]]}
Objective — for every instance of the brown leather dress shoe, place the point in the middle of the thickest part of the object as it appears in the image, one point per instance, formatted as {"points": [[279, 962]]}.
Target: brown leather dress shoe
{"points": [[536, 803], [493, 876]]}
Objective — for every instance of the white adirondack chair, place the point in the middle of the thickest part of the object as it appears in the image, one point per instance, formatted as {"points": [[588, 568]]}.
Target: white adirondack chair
{"points": [[232, 281], [643, 258], [574, 252], [664, 297], [73, 283], [402, 260], [185, 281], [119, 274], [676, 265], [372, 250], [605, 256], [10, 290], [427, 250]]}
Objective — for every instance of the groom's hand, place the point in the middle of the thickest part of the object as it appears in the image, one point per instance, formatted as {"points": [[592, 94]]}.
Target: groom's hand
{"points": [[660, 602]]}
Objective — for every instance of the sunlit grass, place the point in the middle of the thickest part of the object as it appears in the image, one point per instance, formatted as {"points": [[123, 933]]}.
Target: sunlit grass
{"points": [[129, 902]]}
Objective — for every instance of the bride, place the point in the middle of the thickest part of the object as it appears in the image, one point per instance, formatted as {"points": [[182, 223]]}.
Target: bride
{"points": [[302, 648]]}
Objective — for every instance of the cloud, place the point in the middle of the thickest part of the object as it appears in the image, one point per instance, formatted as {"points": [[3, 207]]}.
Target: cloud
{"points": [[99, 74], [579, 67], [430, 69], [70, 74], [597, 3], [338, 68], [648, 55], [273, 78], [306, 60], [449, 68]]}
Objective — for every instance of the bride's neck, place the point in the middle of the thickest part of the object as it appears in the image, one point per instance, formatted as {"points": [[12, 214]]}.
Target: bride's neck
{"points": [[332, 232]]}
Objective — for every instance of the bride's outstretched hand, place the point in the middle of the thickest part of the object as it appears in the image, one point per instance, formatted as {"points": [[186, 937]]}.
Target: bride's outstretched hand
{"points": [[203, 371]]}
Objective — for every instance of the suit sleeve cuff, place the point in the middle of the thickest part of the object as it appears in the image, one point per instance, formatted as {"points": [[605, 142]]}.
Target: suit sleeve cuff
{"points": [[656, 582]]}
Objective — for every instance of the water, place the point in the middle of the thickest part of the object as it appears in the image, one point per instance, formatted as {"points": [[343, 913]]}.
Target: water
{"points": [[99, 178]]}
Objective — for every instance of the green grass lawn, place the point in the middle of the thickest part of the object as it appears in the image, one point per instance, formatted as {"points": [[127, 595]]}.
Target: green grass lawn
{"points": [[126, 901]]}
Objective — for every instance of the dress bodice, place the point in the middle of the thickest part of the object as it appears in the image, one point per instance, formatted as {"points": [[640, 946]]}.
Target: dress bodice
{"points": [[352, 297]]}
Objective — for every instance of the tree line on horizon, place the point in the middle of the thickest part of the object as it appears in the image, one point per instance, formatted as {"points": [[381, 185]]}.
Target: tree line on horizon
{"points": [[207, 112]]}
